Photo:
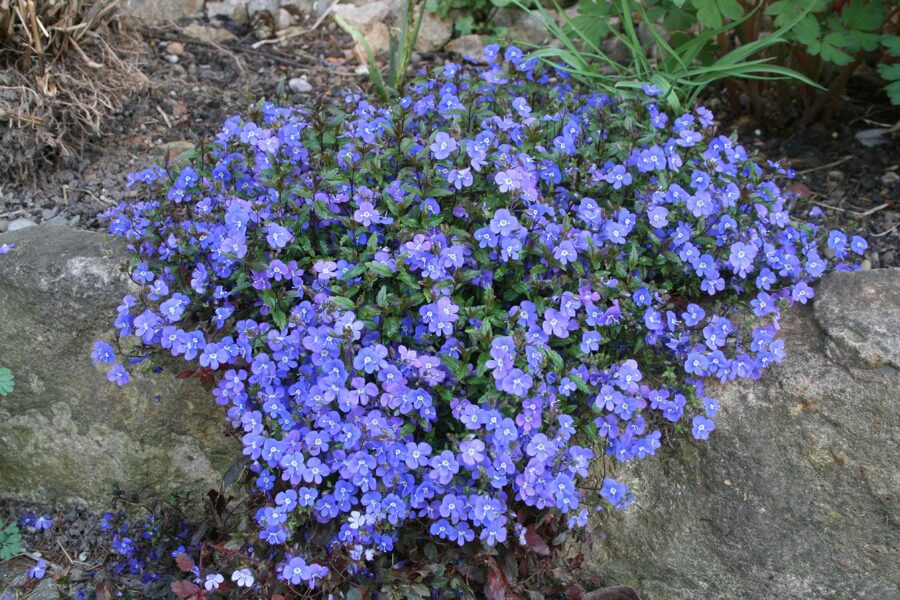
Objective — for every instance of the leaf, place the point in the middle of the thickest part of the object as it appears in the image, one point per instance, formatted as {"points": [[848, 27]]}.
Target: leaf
{"points": [[184, 562], [7, 381], [185, 589], [104, 591], [495, 587], [342, 302], [535, 542]]}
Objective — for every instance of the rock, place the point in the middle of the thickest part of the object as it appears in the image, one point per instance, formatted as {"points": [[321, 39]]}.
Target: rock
{"points": [[4, 225], [66, 434], [207, 33], [175, 153], [890, 178], [176, 48], [234, 10], [300, 85], [520, 26], [871, 332], [378, 37], [57, 220], [47, 589], [47, 214], [468, 46], [795, 494], [283, 19], [433, 33], [20, 223], [171, 58], [361, 17], [161, 11]]}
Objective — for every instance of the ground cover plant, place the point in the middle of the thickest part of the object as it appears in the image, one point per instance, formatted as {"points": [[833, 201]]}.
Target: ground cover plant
{"points": [[450, 316]]}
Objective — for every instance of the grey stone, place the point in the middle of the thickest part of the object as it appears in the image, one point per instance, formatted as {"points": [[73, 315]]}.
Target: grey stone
{"points": [[174, 153], [57, 220], [208, 33], [872, 330], [468, 46], [433, 33], [20, 223], [300, 85], [161, 11], [4, 225], [795, 494], [367, 13], [66, 434]]}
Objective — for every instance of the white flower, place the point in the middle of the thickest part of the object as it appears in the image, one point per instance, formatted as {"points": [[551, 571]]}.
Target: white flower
{"points": [[243, 578], [357, 520], [212, 581]]}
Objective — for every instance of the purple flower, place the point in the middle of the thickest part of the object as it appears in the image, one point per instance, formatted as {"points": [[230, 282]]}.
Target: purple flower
{"points": [[277, 236], [443, 146], [38, 569], [701, 427]]}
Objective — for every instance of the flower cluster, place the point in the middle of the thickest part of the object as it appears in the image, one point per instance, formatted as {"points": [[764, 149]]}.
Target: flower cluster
{"points": [[445, 310]]}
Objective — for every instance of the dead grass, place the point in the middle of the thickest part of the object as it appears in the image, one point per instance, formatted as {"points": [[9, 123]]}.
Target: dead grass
{"points": [[65, 67]]}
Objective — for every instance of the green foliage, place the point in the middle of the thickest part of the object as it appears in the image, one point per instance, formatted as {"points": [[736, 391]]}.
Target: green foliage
{"points": [[687, 44], [399, 53], [10, 540], [476, 14], [680, 68], [7, 381]]}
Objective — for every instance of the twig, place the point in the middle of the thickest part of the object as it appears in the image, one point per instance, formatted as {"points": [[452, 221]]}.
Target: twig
{"points": [[884, 233], [828, 166], [13, 213], [164, 116], [852, 212], [61, 547]]}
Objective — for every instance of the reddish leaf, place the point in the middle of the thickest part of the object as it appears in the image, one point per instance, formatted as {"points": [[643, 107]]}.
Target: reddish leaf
{"points": [[801, 189], [185, 589], [184, 562], [104, 591], [536, 543], [574, 592], [186, 373], [495, 588], [277, 597]]}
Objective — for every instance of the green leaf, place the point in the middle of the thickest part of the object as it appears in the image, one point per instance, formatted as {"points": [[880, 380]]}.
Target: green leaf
{"points": [[345, 303], [863, 15], [380, 268], [731, 9], [457, 367], [708, 13], [7, 381], [891, 43]]}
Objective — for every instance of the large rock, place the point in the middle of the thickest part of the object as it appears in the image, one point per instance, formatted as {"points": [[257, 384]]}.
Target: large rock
{"points": [[66, 434], [795, 495], [161, 11]]}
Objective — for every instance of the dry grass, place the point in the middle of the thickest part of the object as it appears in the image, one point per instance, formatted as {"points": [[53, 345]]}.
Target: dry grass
{"points": [[65, 66]]}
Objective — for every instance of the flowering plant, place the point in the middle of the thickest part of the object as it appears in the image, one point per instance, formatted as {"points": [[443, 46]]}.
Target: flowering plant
{"points": [[437, 315]]}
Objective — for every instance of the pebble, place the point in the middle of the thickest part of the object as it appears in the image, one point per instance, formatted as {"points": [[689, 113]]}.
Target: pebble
{"points": [[4, 225], [176, 48], [47, 214], [171, 58], [890, 178], [21, 223], [299, 85], [57, 220]]}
